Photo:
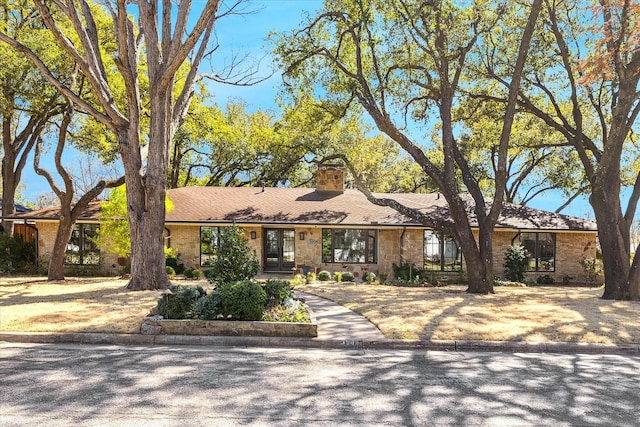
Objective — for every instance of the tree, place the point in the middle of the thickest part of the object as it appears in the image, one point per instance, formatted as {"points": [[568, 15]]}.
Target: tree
{"points": [[165, 36], [27, 102], [594, 71], [401, 60], [69, 211]]}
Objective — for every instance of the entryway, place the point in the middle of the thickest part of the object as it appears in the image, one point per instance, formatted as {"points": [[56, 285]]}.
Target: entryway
{"points": [[279, 249]]}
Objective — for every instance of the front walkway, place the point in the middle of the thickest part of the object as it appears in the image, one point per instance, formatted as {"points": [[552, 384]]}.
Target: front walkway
{"points": [[336, 322]]}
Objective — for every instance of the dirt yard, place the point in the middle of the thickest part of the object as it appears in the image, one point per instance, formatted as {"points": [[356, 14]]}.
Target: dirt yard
{"points": [[520, 314]]}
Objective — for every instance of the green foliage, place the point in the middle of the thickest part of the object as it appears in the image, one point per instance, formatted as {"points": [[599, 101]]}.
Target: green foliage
{"points": [[244, 300], [293, 311], [516, 262], [277, 291], [170, 271], [545, 280], [407, 272], [236, 261], [180, 304], [192, 273], [591, 268], [324, 276], [298, 279], [172, 260], [311, 277], [208, 307], [337, 276], [370, 277], [16, 255], [113, 234], [347, 276]]}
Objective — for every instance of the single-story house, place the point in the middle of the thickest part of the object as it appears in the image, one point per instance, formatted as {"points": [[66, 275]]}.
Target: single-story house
{"points": [[334, 229]]}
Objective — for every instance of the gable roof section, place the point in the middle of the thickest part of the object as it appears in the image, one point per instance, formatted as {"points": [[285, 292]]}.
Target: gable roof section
{"points": [[306, 206]]}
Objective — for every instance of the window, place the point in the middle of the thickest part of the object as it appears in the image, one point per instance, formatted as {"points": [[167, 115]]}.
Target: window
{"points": [[441, 253], [357, 246], [209, 240], [542, 249], [82, 248]]}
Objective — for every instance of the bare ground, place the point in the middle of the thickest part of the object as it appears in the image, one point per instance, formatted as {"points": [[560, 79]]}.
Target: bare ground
{"points": [[569, 314]]}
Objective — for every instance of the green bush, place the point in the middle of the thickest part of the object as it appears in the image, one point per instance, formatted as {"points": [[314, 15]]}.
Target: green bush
{"points": [[516, 262], [180, 304], [195, 273], [337, 276], [347, 276], [324, 276], [188, 273], [208, 307], [370, 277], [170, 271], [236, 261], [545, 280], [311, 277], [172, 260], [16, 255], [277, 291], [406, 272], [244, 300]]}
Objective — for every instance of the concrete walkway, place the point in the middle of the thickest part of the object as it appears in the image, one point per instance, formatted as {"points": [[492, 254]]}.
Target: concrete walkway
{"points": [[336, 322]]}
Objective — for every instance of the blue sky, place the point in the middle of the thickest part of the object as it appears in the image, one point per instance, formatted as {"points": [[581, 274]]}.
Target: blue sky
{"points": [[247, 34]]}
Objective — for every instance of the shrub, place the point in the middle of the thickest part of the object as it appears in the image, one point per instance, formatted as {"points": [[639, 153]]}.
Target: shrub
{"points": [[347, 276], [236, 261], [337, 276], [516, 262], [324, 276], [16, 255], [180, 304], [171, 257], [370, 277], [277, 291], [298, 279], [191, 273], [208, 307], [242, 300], [591, 268], [545, 280], [311, 277], [407, 273], [170, 271], [195, 273]]}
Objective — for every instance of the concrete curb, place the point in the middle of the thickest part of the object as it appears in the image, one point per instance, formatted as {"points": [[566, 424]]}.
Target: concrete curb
{"points": [[345, 344]]}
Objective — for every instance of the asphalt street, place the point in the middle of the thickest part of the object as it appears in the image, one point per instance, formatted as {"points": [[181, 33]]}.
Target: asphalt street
{"points": [[88, 385]]}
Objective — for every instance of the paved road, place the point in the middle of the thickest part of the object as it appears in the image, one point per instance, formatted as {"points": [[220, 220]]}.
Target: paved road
{"points": [[59, 385]]}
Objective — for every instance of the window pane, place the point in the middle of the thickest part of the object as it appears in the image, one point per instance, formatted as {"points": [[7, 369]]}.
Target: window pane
{"points": [[546, 251], [432, 258], [371, 247], [452, 259], [528, 240], [208, 244], [288, 245], [326, 245]]}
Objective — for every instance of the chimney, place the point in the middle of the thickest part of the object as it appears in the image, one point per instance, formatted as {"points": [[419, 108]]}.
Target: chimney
{"points": [[330, 179]]}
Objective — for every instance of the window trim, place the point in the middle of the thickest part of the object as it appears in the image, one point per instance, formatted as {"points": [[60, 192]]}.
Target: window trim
{"points": [[370, 239]]}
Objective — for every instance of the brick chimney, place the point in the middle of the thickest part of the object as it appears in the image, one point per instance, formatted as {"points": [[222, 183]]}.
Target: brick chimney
{"points": [[330, 180]]}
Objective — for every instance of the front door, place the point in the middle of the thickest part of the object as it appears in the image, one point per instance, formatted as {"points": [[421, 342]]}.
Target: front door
{"points": [[279, 249]]}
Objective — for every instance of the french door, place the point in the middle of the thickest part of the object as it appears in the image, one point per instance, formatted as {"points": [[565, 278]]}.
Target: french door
{"points": [[279, 249]]}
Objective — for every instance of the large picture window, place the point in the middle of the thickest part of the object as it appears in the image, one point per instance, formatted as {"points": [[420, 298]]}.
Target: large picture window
{"points": [[82, 248], [356, 246], [542, 249], [441, 253], [209, 241]]}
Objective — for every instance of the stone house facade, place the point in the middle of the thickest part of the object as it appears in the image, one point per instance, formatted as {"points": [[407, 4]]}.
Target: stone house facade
{"points": [[330, 228]]}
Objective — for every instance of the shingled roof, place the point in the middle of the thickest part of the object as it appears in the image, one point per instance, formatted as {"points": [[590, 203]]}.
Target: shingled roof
{"points": [[306, 206]]}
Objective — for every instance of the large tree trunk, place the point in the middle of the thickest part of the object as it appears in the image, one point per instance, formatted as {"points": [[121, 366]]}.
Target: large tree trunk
{"points": [[146, 201], [56, 258], [614, 241]]}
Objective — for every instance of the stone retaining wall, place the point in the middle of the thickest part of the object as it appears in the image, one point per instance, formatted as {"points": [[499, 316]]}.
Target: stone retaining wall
{"points": [[156, 325]]}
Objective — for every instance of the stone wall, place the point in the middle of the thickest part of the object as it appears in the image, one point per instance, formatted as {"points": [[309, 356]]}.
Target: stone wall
{"points": [[330, 180]]}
